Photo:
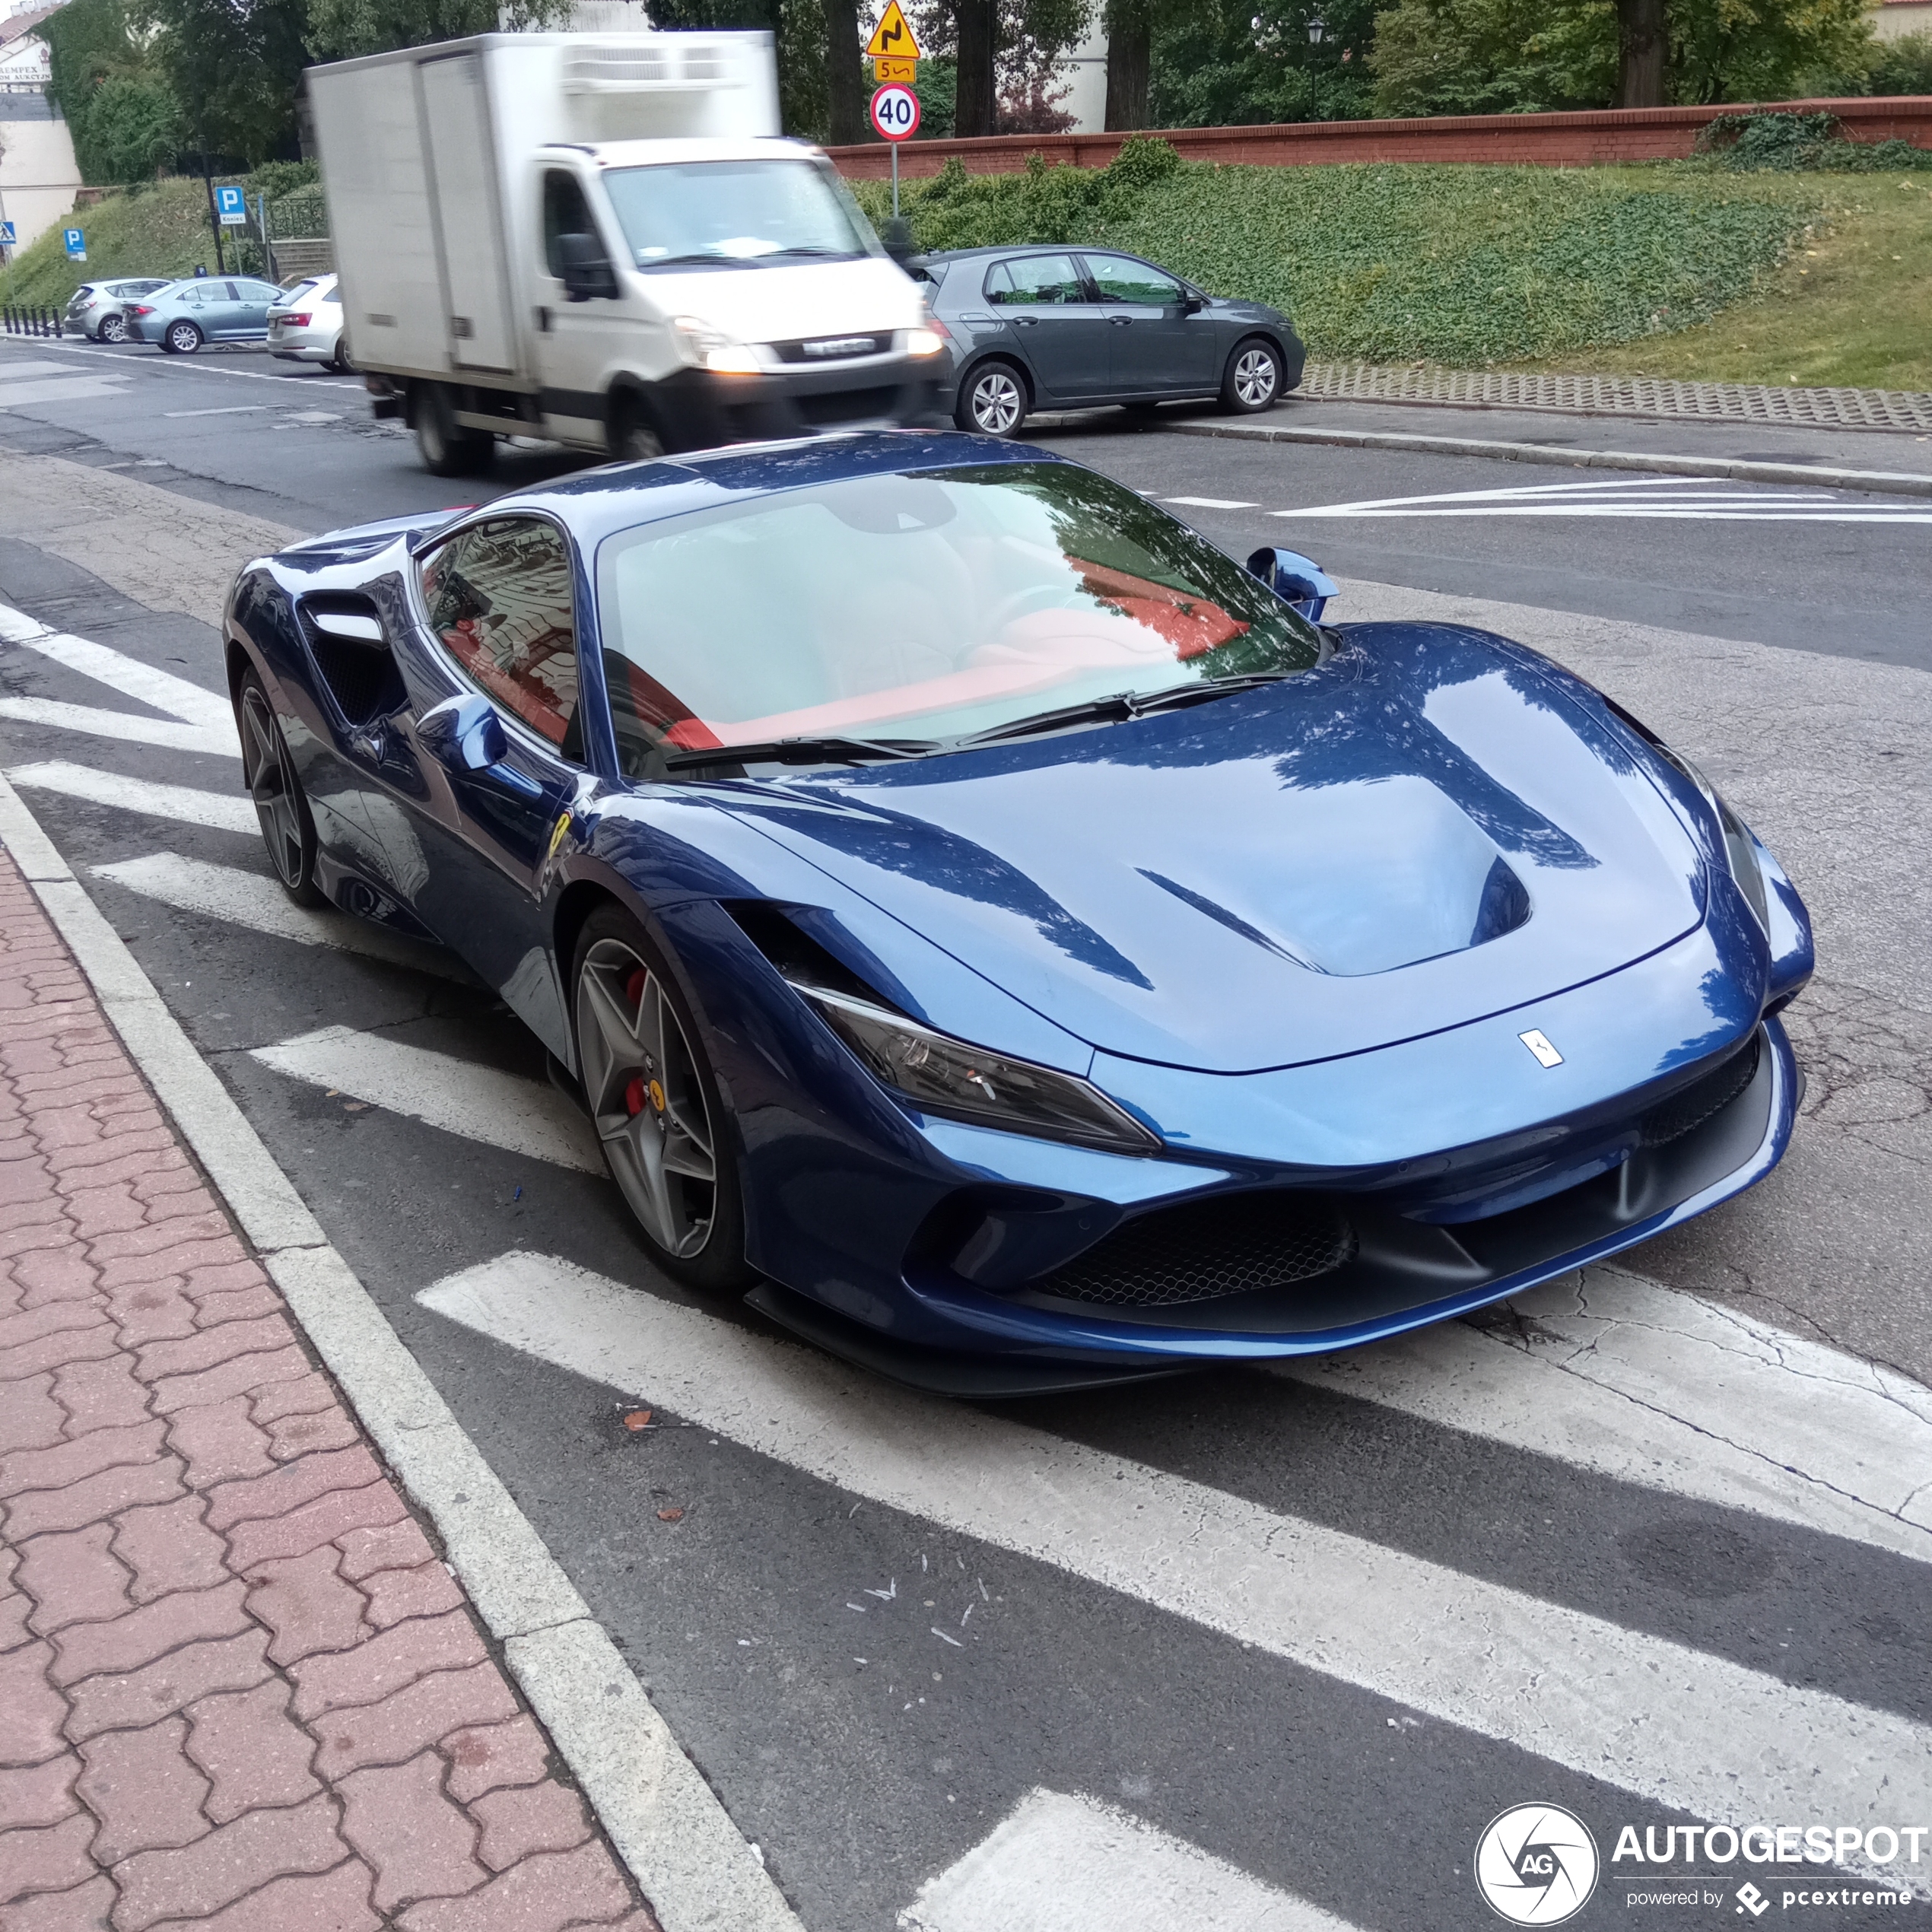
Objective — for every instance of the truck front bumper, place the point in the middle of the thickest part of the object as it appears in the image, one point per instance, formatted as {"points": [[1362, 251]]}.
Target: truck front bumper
{"points": [[699, 411]]}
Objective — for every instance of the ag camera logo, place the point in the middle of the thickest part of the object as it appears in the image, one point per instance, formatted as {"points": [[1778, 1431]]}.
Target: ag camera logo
{"points": [[1537, 1864]]}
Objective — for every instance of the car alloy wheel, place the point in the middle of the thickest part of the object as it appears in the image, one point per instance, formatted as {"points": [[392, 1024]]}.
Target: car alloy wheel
{"points": [[642, 1083], [995, 402], [182, 339], [114, 329], [268, 772], [1254, 376]]}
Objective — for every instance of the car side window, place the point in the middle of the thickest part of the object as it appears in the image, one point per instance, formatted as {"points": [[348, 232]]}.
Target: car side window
{"points": [[499, 600], [1120, 278], [1035, 281], [565, 212], [260, 291]]}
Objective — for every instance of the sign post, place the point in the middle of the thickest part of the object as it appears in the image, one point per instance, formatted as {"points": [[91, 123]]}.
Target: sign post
{"points": [[895, 118], [894, 52]]}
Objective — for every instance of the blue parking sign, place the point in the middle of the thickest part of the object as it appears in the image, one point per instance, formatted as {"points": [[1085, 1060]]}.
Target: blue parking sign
{"points": [[77, 244], [232, 206]]}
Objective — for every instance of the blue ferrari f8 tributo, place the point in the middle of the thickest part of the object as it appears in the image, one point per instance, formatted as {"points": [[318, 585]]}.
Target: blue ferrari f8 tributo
{"points": [[1014, 945]]}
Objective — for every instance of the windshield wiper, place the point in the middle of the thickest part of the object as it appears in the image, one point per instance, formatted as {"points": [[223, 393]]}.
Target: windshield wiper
{"points": [[1123, 705], [801, 751], [815, 254]]}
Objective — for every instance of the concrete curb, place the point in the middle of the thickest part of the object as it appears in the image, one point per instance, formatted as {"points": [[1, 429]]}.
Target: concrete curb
{"points": [[668, 1825], [1879, 481]]}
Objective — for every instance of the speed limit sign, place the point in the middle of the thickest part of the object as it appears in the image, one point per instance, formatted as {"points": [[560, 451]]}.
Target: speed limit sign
{"points": [[895, 112]]}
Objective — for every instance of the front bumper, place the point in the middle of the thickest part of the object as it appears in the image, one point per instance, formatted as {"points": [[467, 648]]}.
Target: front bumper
{"points": [[700, 410]]}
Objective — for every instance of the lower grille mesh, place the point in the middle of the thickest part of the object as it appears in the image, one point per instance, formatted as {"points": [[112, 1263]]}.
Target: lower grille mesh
{"points": [[1690, 1108], [1231, 1245]]}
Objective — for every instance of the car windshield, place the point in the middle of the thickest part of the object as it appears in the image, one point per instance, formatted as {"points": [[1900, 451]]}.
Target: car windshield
{"points": [[734, 212], [932, 606]]}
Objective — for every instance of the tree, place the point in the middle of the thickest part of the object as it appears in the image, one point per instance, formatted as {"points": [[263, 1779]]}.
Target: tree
{"points": [[233, 65], [340, 29], [1219, 63], [845, 81], [1130, 63], [125, 121]]}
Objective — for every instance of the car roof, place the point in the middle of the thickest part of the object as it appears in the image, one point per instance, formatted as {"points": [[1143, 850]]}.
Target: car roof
{"points": [[620, 496]]}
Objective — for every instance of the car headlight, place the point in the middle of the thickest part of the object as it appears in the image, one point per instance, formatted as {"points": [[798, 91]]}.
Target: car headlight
{"points": [[924, 342], [939, 1074], [705, 347], [1738, 853]]}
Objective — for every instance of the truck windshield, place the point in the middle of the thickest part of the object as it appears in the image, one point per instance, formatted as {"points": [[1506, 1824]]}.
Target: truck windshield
{"points": [[732, 213]]}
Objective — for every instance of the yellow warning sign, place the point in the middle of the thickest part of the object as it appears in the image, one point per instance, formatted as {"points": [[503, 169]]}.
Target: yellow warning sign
{"points": [[906, 73], [892, 37]]}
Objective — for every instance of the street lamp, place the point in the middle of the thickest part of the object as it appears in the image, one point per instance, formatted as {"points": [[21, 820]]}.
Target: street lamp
{"points": [[1317, 26]]}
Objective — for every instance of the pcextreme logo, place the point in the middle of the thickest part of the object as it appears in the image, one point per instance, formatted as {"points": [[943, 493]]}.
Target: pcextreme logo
{"points": [[1536, 1864]]}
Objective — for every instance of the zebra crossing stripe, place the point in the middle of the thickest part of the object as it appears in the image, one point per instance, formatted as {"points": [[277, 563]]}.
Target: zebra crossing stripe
{"points": [[250, 899], [1060, 1862], [1630, 1380], [1687, 1730], [459, 1096], [224, 811]]}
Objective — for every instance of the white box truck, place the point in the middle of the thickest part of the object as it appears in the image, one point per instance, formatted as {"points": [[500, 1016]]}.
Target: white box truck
{"points": [[600, 240]]}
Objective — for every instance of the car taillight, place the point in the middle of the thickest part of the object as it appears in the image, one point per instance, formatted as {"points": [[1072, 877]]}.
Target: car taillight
{"points": [[294, 321], [140, 309]]}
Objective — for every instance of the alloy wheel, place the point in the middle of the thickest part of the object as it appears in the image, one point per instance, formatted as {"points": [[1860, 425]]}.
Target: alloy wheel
{"points": [[114, 329], [1254, 377], [640, 1079], [272, 784], [995, 403], [183, 337]]}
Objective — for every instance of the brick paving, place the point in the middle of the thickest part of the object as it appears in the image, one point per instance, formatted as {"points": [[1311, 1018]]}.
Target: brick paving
{"points": [[238, 1690]]}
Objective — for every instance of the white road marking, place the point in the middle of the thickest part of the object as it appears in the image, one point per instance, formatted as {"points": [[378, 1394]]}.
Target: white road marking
{"points": [[1210, 503], [1630, 1380], [224, 811], [250, 899], [1668, 497], [459, 1096], [142, 365], [1062, 1864], [14, 372], [231, 409], [197, 720], [1686, 1731]]}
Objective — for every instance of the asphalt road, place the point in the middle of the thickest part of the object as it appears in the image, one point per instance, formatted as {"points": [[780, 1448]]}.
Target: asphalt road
{"points": [[1672, 1524]]}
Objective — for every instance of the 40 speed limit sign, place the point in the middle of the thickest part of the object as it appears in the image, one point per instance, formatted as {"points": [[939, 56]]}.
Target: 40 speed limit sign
{"points": [[895, 112]]}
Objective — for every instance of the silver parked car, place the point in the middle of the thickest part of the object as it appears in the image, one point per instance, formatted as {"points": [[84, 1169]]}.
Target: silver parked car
{"points": [[305, 325], [183, 315], [98, 309]]}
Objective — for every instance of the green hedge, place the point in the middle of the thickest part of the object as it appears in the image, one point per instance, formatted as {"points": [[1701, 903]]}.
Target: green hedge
{"points": [[1463, 266]]}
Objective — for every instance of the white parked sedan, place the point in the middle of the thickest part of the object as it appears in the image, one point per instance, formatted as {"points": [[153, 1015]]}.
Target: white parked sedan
{"points": [[305, 325]]}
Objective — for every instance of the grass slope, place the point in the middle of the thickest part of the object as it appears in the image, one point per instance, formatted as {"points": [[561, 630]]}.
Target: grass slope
{"points": [[1673, 269], [158, 231]]}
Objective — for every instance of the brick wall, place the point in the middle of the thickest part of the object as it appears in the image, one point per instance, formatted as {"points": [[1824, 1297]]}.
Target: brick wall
{"points": [[1620, 134]]}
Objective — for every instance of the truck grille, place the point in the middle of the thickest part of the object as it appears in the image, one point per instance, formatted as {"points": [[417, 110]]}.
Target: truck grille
{"points": [[816, 352], [1233, 1244]]}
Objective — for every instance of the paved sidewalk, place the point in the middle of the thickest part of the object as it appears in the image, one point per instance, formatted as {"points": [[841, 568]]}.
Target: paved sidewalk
{"points": [[238, 1689]]}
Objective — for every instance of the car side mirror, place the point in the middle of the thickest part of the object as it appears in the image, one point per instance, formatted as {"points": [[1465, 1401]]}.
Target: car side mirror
{"points": [[1298, 581], [587, 271], [466, 734], [1192, 305]]}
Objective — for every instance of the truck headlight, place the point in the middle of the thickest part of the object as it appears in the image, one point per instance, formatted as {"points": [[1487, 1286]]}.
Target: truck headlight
{"points": [[924, 342], [704, 347], [939, 1074]]}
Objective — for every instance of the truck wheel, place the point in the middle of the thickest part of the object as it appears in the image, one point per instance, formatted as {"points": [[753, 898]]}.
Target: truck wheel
{"points": [[448, 449], [631, 437]]}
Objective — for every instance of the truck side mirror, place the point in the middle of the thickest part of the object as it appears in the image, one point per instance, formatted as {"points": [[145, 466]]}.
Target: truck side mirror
{"points": [[1299, 581], [587, 273]]}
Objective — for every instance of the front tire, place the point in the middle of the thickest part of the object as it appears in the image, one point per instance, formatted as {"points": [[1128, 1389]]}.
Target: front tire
{"points": [[114, 329], [287, 829], [1253, 380], [446, 448], [659, 1117], [181, 338], [631, 436], [993, 400]]}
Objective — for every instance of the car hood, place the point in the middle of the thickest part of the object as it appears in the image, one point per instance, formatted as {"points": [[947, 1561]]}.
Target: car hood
{"points": [[1424, 830], [790, 300]]}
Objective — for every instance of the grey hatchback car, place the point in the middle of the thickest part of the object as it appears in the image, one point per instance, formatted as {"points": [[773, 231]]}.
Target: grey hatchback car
{"points": [[1045, 328], [184, 315], [98, 309]]}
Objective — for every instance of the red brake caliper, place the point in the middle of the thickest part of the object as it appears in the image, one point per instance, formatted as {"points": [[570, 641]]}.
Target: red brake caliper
{"points": [[634, 1094]]}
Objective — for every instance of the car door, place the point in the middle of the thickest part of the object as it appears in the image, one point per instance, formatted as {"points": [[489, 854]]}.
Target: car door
{"points": [[1062, 332], [217, 306], [494, 732], [252, 301], [1159, 343], [574, 339]]}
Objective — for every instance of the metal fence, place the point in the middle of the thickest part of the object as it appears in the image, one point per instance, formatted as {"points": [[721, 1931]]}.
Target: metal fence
{"points": [[32, 319]]}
